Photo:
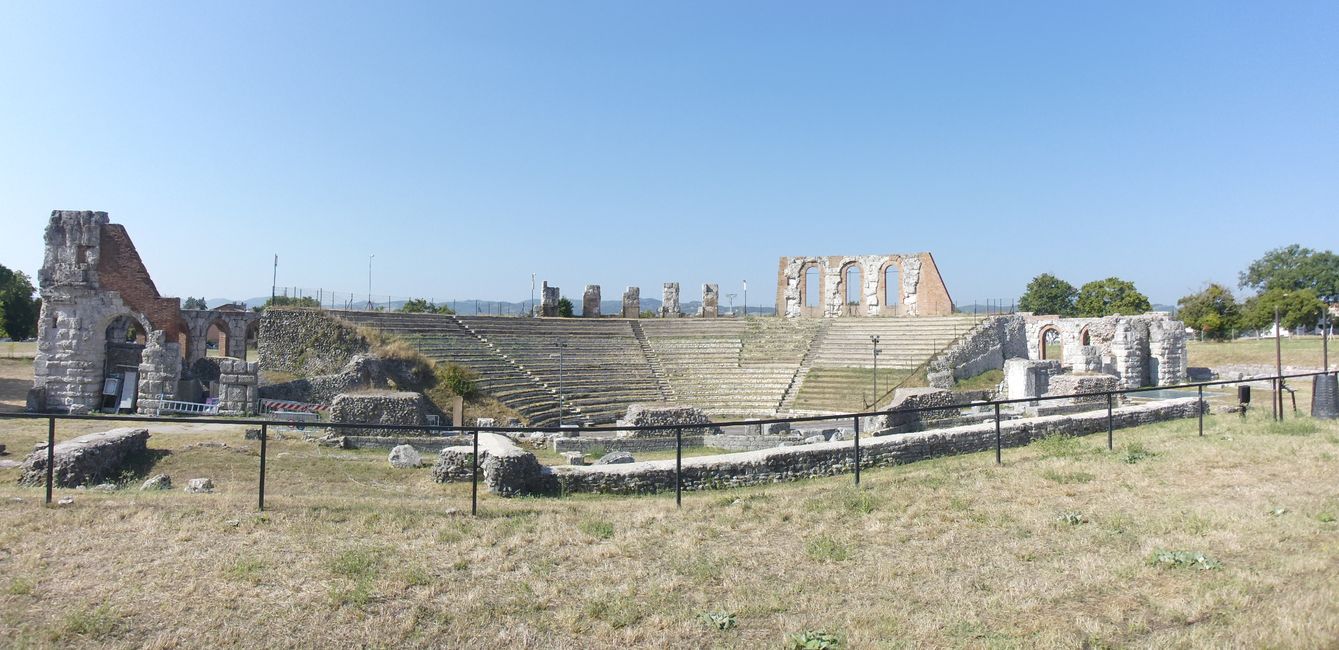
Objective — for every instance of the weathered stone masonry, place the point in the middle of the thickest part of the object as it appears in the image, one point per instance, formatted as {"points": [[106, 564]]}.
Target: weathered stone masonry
{"points": [[919, 289]]}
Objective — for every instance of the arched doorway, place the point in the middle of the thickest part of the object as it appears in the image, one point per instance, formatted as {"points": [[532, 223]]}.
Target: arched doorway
{"points": [[1049, 345], [811, 290], [251, 350], [853, 283], [123, 350], [216, 339], [892, 287]]}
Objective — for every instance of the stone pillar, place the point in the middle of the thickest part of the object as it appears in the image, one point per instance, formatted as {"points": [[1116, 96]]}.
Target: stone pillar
{"points": [[548, 305], [710, 301], [159, 372], [632, 302], [669, 307], [590, 301]]}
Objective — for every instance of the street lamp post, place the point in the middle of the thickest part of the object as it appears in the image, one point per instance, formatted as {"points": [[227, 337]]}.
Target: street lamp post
{"points": [[369, 281], [746, 299], [731, 298], [874, 338]]}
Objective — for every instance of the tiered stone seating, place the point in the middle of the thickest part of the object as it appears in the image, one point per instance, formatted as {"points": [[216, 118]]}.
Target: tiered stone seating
{"points": [[443, 338], [905, 342], [730, 367], [603, 369]]}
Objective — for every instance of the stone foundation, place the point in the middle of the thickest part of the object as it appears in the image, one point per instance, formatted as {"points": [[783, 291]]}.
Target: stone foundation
{"points": [[90, 459], [645, 415], [379, 407]]}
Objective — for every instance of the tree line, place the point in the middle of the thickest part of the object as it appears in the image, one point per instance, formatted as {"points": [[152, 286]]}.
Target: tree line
{"points": [[1297, 282]]}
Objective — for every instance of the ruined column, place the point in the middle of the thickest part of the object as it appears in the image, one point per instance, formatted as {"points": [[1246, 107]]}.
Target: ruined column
{"points": [[632, 302], [710, 301], [548, 305], [590, 301], [669, 307], [159, 371]]}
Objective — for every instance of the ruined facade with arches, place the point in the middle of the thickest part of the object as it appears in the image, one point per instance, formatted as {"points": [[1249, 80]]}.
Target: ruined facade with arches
{"points": [[861, 286], [101, 310], [1144, 350]]}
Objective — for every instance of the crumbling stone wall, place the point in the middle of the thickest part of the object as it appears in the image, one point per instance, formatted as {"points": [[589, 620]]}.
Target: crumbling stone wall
{"points": [[238, 386], [1024, 378], [711, 301], [77, 309], [1144, 350], [900, 416], [1083, 386], [380, 407], [88, 459], [985, 347], [647, 415], [549, 297], [632, 302], [159, 372], [307, 342], [669, 305], [921, 290], [507, 469], [590, 301]]}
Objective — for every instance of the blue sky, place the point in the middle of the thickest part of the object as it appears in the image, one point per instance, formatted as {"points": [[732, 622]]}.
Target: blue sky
{"points": [[467, 145]]}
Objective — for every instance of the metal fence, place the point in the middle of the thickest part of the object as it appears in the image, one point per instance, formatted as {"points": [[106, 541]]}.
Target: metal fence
{"points": [[1277, 386]]}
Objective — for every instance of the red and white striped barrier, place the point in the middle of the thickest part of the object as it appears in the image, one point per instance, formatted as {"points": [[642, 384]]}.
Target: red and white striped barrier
{"points": [[292, 407]]}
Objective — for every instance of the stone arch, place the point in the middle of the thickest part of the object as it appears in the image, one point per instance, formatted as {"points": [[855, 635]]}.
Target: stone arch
{"points": [[221, 331], [813, 286], [852, 288], [1084, 338], [1052, 332], [251, 333], [125, 327], [890, 286]]}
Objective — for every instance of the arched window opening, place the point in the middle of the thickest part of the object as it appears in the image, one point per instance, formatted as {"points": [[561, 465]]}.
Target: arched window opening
{"points": [[1050, 347], [216, 339], [892, 285], [811, 287], [854, 280]]}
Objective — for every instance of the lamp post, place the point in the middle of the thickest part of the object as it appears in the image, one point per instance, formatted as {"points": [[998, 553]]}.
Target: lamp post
{"points": [[532, 295], [731, 298], [746, 299], [369, 281], [874, 339]]}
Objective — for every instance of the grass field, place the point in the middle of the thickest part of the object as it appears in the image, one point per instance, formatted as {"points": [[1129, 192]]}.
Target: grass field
{"points": [[1172, 540], [18, 349], [1298, 351]]}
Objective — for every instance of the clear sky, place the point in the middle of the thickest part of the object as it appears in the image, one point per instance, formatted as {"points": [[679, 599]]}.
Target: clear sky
{"points": [[618, 143]]}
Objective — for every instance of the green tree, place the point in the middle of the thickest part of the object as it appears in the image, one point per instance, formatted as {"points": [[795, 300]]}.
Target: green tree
{"points": [[4, 334], [564, 307], [19, 305], [1047, 294], [1213, 312], [194, 303], [1111, 296], [1292, 268], [287, 301], [421, 306], [1300, 308]]}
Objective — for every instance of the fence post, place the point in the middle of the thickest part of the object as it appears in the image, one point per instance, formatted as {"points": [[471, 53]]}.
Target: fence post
{"points": [[1110, 425], [50, 456], [998, 443], [1200, 405], [264, 435], [474, 476], [856, 419], [678, 468]]}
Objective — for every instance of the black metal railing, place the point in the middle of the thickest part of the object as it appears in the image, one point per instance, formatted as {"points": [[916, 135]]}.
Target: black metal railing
{"points": [[1277, 384]]}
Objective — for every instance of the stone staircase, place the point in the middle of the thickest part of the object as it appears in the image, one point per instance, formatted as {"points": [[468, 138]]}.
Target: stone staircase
{"points": [[653, 360], [787, 402]]}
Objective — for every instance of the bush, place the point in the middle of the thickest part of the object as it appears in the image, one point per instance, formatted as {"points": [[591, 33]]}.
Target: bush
{"points": [[814, 640], [458, 379]]}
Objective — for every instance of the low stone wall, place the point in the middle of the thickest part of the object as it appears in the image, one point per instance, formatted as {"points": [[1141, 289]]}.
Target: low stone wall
{"points": [[421, 443], [238, 393], [87, 460], [379, 407], [916, 398], [647, 415], [830, 458], [585, 444], [1080, 385], [507, 469], [741, 442]]}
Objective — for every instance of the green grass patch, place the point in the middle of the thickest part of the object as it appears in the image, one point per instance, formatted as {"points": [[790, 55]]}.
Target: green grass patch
{"points": [[1067, 478], [987, 380], [1183, 560], [597, 528], [827, 548]]}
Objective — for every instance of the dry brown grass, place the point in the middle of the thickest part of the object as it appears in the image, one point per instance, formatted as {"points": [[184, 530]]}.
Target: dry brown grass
{"points": [[952, 552]]}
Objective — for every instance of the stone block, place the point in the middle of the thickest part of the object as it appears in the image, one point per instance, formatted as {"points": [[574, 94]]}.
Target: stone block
{"points": [[590, 301], [88, 459]]}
